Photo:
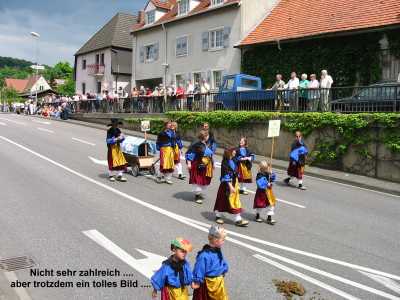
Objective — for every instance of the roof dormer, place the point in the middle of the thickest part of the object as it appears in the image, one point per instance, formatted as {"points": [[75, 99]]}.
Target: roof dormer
{"points": [[185, 6], [155, 9]]}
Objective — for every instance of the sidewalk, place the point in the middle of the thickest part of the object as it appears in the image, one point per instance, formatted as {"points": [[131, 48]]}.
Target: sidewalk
{"points": [[336, 176]]}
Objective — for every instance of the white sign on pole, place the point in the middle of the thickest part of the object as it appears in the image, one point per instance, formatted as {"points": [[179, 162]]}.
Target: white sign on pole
{"points": [[145, 125], [37, 67], [273, 128]]}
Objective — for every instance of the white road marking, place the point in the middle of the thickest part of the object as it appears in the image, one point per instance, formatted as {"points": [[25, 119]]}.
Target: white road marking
{"points": [[41, 122], [3, 124], [193, 224], [45, 130], [98, 161], [387, 282], [145, 266], [84, 142], [283, 201], [12, 121], [306, 277]]}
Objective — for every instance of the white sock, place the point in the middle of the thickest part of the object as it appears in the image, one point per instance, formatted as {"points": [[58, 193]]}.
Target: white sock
{"points": [[197, 189], [238, 217], [178, 167], [168, 176], [259, 210], [300, 181], [218, 214], [270, 210], [110, 173]]}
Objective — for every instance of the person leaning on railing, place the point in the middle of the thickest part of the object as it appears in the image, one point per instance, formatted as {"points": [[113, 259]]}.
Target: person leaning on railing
{"points": [[303, 94], [278, 86]]}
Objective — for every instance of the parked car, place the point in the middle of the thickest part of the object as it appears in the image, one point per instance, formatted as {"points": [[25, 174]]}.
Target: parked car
{"points": [[241, 91], [376, 97]]}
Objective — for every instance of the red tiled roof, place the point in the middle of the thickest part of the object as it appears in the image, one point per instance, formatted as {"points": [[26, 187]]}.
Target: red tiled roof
{"points": [[21, 85], [16, 84], [172, 13], [292, 19], [165, 4]]}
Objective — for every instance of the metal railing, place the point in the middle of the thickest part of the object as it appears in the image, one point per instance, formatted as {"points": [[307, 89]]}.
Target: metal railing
{"points": [[96, 69], [382, 98]]}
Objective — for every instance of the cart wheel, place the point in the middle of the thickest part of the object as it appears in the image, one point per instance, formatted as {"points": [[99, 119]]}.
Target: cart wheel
{"points": [[152, 170], [135, 170]]}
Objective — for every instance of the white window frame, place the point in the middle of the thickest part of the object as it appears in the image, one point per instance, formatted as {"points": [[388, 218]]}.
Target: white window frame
{"points": [[187, 46], [213, 79], [210, 48], [180, 13], [153, 11], [197, 72], [217, 2], [145, 53]]}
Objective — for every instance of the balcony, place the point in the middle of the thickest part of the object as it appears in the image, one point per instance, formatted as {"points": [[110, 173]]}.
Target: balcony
{"points": [[96, 70]]}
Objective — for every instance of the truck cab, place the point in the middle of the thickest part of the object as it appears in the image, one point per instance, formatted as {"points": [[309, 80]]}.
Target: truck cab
{"points": [[239, 91]]}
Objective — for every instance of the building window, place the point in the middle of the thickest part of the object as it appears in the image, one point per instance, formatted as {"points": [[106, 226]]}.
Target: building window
{"points": [[180, 80], [98, 87], [102, 59], [84, 64], [83, 88], [97, 59], [197, 77], [151, 16], [183, 7], [181, 46], [216, 39], [150, 53], [217, 79], [217, 2]]}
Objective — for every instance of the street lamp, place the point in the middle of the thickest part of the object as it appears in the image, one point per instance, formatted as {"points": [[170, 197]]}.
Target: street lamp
{"points": [[36, 36], [116, 77]]}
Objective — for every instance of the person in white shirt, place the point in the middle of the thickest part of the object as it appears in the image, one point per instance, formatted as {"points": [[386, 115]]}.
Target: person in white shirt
{"points": [[205, 90], [325, 85], [189, 93], [313, 92], [292, 86]]}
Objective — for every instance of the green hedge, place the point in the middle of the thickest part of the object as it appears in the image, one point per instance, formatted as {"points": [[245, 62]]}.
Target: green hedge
{"points": [[352, 128]]}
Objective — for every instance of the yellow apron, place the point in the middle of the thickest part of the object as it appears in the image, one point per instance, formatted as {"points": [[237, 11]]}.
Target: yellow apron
{"points": [[216, 288], [168, 158], [207, 161], [177, 154], [178, 293], [271, 197], [117, 156], [234, 199], [246, 173]]}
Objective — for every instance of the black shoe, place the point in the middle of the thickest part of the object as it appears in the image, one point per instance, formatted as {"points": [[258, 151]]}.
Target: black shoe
{"points": [[243, 192], [242, 223], [258, 218], [287, 180], [198, 199], [181, 177], [302, 187], [219, 220], [270, 221]]}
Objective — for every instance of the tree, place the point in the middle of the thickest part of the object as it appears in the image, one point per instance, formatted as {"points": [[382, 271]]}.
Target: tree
{"points": [[68, 88]]}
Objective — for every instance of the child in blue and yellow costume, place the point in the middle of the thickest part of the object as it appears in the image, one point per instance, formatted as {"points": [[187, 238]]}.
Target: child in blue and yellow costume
{"points": [[175, 273], [210, 268]]}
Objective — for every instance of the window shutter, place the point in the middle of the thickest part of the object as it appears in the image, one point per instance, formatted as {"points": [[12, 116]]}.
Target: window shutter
{"points": [[205, 41], [141, 54], [227, 32], [156, 51]]}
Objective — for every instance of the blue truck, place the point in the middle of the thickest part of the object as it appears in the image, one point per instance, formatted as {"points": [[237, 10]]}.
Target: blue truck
{"points": [[241, 91]]}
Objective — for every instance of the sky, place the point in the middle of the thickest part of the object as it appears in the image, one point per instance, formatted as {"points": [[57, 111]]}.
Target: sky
{"points": [[64, 26]]}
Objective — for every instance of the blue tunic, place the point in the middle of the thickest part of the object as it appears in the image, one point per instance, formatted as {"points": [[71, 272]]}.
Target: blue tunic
{"points": [[210, 262], [263, 180], [166, 275], [165, 139]]}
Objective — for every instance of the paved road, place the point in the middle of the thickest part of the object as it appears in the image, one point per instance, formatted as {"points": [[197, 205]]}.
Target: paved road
{"points": [[58, 208]]}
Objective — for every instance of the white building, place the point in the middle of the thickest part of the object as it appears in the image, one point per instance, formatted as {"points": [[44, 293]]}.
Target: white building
{"points": [[104, 62], [29, 87], [176, 41]]}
